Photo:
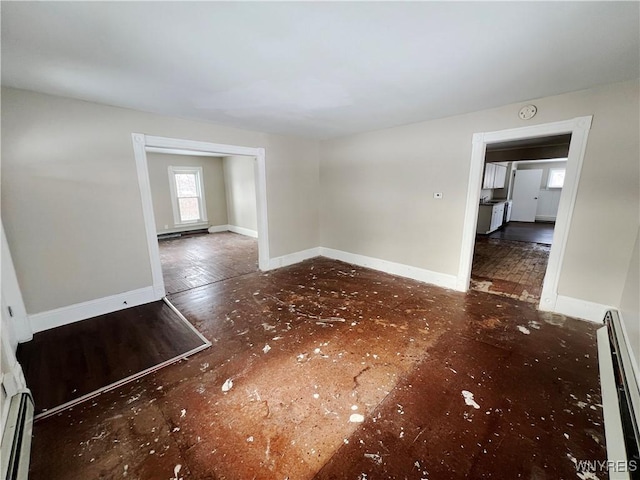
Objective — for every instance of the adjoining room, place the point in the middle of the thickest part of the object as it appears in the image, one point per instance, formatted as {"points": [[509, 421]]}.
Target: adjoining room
{"points": [[522, 186], [206, 217]]}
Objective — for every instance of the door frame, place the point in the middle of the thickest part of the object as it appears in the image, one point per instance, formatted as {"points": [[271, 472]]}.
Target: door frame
{"points": [[173, 145], [579, 129]]}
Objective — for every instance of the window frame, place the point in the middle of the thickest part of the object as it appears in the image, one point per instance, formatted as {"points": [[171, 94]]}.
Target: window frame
{"points": [[555, 169], [202, 204]]}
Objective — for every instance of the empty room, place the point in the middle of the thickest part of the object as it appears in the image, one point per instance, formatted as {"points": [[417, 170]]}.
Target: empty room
{"points": [[320, 240]]}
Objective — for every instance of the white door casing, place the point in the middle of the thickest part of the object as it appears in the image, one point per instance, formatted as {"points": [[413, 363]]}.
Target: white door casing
{"points": [[526, 189], [13, 309], [579, 129], [174, 145]]}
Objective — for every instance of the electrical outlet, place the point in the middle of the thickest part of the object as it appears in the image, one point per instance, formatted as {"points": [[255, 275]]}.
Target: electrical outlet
{"points": [[437, 195]]}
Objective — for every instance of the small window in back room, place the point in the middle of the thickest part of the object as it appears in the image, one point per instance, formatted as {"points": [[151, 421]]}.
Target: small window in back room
{"points": [[187, 194], [556, 177]]}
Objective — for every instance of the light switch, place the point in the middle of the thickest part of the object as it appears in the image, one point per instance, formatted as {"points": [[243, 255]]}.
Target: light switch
{"points": [[437, 195]]}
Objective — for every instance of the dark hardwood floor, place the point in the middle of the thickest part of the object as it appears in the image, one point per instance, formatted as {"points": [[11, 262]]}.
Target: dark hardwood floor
{"points": [[512, 261], [68, 362], [534, 232], [325, 370], [196, 260]]}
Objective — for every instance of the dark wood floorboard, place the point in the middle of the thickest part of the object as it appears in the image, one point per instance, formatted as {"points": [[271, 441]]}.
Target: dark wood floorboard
{"points": [[195, 260], [65, 363], [509, 268], [534, 232], [449, 385]]}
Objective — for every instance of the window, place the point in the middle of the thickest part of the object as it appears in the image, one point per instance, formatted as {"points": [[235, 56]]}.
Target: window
{"points": [[187, 193], [556, 177]]}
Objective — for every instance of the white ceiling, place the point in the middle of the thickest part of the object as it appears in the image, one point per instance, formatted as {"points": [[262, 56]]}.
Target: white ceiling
{"points": [[316, 69]]}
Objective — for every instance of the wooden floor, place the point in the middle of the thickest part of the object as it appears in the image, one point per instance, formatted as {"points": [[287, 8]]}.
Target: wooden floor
{"points": [[68, 362], [325, 370], [535, 232], [509, 268], [196, 260]]}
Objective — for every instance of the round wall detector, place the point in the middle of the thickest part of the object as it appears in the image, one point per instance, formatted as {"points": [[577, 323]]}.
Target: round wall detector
{"points": [[527, 112]]}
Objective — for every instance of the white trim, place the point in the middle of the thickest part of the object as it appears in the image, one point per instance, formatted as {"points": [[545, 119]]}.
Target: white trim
{"points": [[206, 344], [12, 297], [218, 228], [614, 436], [574, 307], [147, 212], [141, 142], [93, 308], [420, 274], [478, 151], [292, 258], [187, 322], [545, 218], [242, 231], [579, 130]]}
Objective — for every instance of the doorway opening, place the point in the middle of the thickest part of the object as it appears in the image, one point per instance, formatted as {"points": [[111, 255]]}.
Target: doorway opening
{"points": [[578, 129], [205, 213], [204, 206], [518, 207]]}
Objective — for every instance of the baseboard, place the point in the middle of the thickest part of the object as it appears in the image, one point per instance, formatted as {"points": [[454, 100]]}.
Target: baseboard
{"points": [[235, 229], [574, 307], [242, 231], [407, 271], [218, 228], [293, 258], [545, 218], [81, 311]]}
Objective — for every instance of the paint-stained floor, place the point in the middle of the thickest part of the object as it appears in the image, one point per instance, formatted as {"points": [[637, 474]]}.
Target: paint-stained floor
{"points": [[325, 370], [509, 268]]}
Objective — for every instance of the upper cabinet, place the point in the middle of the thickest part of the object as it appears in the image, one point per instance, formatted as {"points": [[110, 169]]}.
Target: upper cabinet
{"points": [[494, 176]]}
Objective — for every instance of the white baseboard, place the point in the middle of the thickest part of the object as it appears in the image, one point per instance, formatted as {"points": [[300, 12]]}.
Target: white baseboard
{"points": [[545, 218], [218, 228], [242, 231], [235, 229], [292, 258], [574, 307], [415, 273], [81, 311]]}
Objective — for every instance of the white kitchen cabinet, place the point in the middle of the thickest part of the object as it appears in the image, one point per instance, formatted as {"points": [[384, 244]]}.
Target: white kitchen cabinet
{"points": [[494, 176], [500, 176], [489, 175], [490, 217]]}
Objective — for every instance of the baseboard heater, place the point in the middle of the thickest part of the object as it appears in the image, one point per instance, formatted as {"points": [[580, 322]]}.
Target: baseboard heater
{"points": [[16, 438], [620, 398], [166, 236]]}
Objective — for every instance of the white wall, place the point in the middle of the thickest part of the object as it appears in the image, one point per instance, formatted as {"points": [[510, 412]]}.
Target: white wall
{"points": [[630, 302], [71, 203], [377, 189], [214, 188], [239, 179]]}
